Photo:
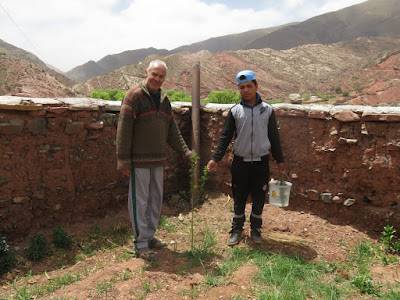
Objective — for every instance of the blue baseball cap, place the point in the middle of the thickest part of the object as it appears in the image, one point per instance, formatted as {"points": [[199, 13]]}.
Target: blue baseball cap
{"points": [[244, 76]]}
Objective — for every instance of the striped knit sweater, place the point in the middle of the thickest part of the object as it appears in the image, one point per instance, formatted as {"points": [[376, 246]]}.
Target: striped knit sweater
{"points": [[144, 132]]}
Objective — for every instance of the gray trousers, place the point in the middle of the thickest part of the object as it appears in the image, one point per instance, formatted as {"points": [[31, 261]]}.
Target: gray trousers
{"points": [[144, 203]]}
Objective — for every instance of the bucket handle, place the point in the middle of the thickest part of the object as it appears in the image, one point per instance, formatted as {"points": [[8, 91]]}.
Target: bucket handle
{"points": [[281, 180]]}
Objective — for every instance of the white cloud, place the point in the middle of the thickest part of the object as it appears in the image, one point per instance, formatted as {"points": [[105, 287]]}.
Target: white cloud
{"points": [[70, 33], [336, 5]]}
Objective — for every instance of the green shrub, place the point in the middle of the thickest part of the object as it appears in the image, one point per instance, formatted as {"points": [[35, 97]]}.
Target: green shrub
{"points": [[109, 94], [100, 95], [346, 93], [61, 239], [305, 96], [37, 247], [365, 284], [7, 258], [323, 96], [338, 90], [179, 96], [390, 240], [224, 97]]}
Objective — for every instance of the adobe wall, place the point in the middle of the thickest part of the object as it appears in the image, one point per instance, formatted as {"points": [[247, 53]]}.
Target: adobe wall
{"points": [[343, 161], [58, 161]]}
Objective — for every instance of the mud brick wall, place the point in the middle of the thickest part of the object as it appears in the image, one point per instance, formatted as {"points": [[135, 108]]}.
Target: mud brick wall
{"points": [[58, 163], [343, 161]]}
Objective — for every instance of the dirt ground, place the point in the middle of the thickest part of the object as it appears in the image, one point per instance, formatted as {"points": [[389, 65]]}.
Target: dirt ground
{"points": [[288, 232]]}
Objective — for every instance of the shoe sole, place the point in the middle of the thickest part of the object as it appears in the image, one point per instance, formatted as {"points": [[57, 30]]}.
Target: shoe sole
{"points": [[257, 242], [148, 255]]}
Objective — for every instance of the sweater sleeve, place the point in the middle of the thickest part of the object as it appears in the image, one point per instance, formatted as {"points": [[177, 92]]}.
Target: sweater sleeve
{"points": [[273, 135], [124, 134], [225, 138]]}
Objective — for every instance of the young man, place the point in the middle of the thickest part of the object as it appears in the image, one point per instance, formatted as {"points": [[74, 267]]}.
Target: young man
{"points": [[145, 127], [254, 126]]}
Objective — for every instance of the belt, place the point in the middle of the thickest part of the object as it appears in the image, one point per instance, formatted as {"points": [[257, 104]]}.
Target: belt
{"points": [[248, 160]]}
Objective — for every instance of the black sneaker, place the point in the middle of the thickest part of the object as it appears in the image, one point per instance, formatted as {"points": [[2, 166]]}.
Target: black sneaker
{"points": [[256, 236], [235, 238]]}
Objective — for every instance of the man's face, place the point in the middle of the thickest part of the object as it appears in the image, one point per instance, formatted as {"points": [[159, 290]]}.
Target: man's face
{"points": [[155, 76], [248, 90]]}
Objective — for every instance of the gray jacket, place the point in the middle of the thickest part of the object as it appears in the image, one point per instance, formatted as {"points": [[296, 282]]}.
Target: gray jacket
{"points": [[256, 132]]}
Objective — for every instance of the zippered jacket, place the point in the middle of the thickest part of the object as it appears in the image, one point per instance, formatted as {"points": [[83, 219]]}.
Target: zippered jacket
{"points": [[144, 132], [255, 130]]}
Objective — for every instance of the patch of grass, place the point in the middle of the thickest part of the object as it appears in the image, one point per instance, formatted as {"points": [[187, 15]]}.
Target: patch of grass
{"points": [[165, 224], [293, 277], [115, 235], [221, 274], [366, 285], [203, 248], [104, 286], [33, 291], [64, 280]]}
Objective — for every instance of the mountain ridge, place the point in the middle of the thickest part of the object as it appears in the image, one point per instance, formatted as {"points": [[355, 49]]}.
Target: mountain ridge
{"points": [[305, 69], [370, 18]]}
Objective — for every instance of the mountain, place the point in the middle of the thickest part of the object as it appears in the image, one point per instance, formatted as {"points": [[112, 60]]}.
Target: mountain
{"points": [[370, 18], [229, 42], [18, 52], [24, 74], [11, 50], [305, 69], [110, 63]]}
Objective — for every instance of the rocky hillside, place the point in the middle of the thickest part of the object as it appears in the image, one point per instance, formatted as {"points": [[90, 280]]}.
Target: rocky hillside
{"points": [[365, 66], [370, 18], [111, 62], [21, 77]]}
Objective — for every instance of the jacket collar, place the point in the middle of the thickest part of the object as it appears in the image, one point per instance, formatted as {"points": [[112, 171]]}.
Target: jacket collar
{"points": [[144, 89], [258, 101]]}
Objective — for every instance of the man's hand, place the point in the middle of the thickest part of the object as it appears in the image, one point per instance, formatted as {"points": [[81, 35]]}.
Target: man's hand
{"points": [[212, 166], [126, 173]]}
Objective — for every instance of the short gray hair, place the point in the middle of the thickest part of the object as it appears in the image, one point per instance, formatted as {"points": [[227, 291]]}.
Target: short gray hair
{"points": [[157, 61]]}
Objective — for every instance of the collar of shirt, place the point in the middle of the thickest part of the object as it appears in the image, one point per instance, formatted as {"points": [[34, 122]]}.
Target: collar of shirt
{"points": [[258, 101]]}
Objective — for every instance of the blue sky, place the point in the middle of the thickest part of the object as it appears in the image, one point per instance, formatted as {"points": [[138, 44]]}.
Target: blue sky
{"points": [[69, 33]]}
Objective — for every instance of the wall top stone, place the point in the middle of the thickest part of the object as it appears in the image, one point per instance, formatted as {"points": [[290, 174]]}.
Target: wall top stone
{"points": [[367, 113], [34, 104]]}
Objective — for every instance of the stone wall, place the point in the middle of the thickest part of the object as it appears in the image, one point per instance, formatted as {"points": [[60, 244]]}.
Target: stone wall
{"points": [[343, 161], [58, 161]]}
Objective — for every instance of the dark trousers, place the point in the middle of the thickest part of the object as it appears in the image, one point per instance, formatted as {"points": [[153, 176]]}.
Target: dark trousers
{"points": [[249, 178]]}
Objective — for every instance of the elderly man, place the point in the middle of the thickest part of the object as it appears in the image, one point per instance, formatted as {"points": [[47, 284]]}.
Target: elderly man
{"points": [[253, 123], [145, 127]]}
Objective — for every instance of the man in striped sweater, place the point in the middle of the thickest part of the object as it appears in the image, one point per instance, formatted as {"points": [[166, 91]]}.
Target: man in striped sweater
{"points": [[145, 127]]}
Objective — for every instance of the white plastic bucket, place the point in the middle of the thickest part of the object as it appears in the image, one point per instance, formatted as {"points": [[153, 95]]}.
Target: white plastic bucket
{"points": [[279, 194]]}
